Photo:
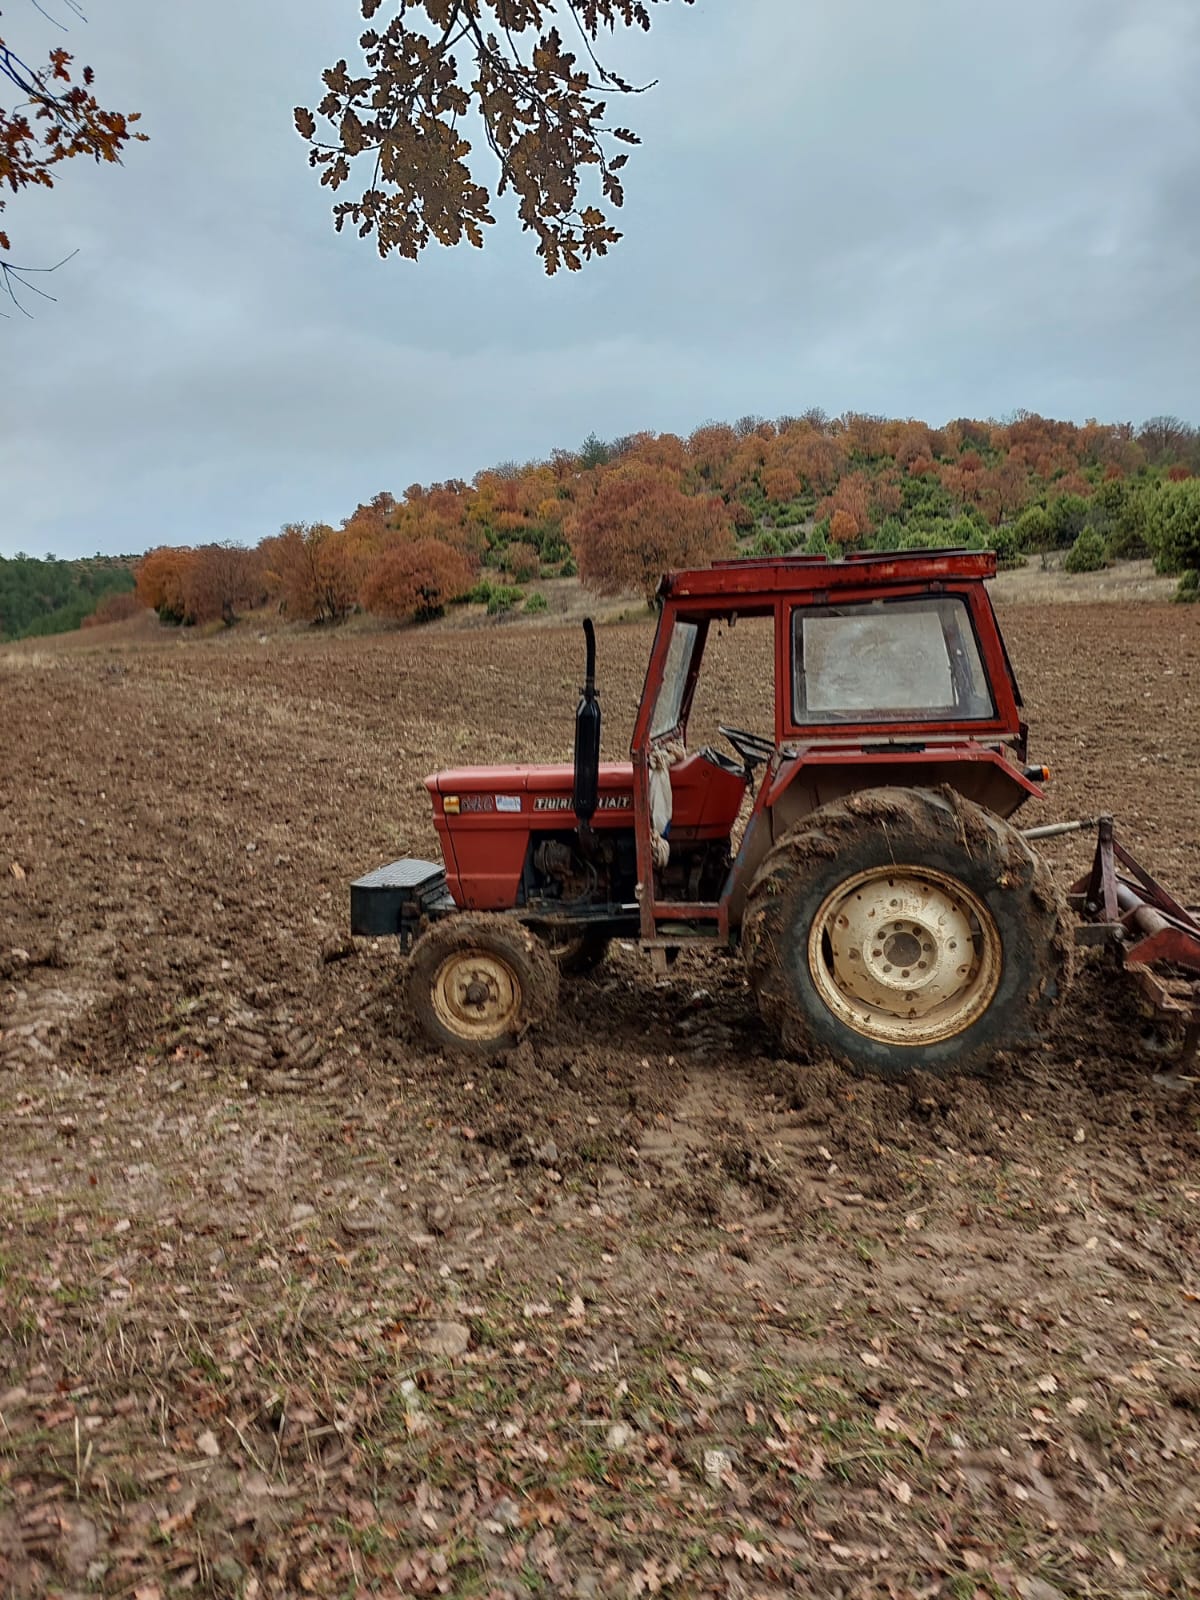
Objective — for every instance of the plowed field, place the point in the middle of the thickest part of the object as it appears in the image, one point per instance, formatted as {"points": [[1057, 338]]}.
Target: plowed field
{"points": [[290, 1305]]}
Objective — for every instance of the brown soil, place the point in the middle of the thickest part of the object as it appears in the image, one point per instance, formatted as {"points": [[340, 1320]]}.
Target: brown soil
{"points": [[289, 1304]]}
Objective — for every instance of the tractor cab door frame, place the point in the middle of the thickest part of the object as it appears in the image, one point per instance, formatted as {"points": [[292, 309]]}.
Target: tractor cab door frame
{"points": [[668, 675]]}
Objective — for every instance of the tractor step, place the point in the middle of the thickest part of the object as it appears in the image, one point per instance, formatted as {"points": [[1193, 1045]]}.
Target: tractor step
{"points": [[395, 899]]}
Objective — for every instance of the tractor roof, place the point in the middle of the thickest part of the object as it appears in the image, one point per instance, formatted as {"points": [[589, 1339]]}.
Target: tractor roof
{"points": [[784, 575]]}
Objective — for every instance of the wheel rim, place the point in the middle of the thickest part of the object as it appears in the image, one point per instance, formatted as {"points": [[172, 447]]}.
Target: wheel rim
{"points": [[477, 995], [905, 955]]}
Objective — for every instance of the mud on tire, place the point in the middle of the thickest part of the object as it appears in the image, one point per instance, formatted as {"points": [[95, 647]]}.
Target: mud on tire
{"points": [[477, 983], [906, 929]]}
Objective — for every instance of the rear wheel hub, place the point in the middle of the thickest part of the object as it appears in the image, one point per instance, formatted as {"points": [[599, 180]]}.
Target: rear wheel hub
{"points": [[905, 955]]}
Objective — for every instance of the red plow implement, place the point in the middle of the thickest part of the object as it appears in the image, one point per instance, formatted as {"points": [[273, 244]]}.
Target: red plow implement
{"points": [[1158, 939]]}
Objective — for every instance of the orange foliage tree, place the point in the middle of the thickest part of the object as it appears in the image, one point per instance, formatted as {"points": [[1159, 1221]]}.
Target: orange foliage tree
{"points": [[312, 572], [162, 581], [640, 523], [852, 497], [222, 581], [415, 581]]}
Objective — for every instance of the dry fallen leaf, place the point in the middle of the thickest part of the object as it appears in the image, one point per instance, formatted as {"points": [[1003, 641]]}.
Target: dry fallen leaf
{"points": [[18, 871], [869, 1358], [1048, 1383], [746, 1552]]}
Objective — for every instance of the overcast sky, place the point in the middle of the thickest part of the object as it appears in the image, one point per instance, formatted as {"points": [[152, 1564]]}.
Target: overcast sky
{"points": [[927, 208]]}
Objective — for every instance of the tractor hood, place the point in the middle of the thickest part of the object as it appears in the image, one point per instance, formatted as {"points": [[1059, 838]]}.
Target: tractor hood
{"points": [[533, 789]]}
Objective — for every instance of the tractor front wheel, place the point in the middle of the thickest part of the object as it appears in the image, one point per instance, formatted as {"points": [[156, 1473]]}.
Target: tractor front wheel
{"points": [[476, 984], [902, 929]]}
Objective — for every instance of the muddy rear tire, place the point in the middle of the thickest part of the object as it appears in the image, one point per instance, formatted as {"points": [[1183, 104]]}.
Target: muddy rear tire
{"points": [[901, 930], [477, 983]]}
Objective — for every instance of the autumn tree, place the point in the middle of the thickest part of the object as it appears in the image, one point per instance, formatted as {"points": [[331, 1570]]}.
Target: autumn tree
{"points": [[309, 569], [540, 98], [853, 497], [640, 523], [415, 581], [56, 118], [162, 582], [222, 581], [710, 452], [1164, 437]]}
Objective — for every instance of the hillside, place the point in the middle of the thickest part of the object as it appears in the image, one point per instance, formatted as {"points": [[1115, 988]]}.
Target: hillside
{"points": [[621, 512]]}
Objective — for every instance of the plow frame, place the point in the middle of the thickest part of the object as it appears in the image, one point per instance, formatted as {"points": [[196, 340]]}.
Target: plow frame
{"points": [[1119, 901]]}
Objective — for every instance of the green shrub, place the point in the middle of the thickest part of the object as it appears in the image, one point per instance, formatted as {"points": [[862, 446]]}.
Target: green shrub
{"points": [[569, 568], [1173, 526], [1005, 541], [965, 533], [536, 603], [793, 515], [1032, 530], [769, 543], [503, 598], [819, 543], [1189, 587], [1087, 554], [1067, 517]]}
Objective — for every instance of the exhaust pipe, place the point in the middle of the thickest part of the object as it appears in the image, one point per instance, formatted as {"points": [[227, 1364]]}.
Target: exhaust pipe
{"points": [[587, 739]]}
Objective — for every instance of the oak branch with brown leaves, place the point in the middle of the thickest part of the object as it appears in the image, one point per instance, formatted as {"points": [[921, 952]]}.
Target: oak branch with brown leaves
{"points": [[526, 74], [56, 117]]}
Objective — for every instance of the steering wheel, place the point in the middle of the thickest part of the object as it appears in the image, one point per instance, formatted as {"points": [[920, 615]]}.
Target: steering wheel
{"points": [[724, 763], [752, 747]]}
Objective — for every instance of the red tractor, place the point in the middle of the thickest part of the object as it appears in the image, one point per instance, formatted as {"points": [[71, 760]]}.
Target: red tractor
{"points": [[861, 852]]}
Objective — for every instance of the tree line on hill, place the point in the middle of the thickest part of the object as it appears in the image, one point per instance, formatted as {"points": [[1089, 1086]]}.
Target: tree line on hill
{"points": [[619, 513]]}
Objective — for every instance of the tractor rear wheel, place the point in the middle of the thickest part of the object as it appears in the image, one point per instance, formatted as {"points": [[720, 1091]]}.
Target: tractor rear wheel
{"points": [[901, 930], [477, 983]]}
